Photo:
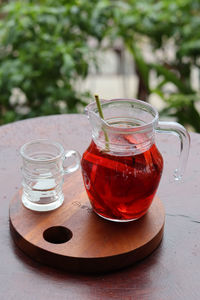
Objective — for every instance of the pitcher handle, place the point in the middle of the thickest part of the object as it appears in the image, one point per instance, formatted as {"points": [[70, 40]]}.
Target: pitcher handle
{"points": [[76, 156], [184, 137]]}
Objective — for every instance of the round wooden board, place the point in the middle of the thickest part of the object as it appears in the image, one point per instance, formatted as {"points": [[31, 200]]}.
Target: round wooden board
{"points": [[93, 244]]}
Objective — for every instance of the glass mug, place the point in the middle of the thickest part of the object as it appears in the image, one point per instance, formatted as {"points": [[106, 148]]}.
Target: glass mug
{"points": [[43, 171], [122, 166]]}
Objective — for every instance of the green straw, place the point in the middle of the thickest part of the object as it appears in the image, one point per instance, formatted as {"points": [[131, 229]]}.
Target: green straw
{"points": [[101, 115]]}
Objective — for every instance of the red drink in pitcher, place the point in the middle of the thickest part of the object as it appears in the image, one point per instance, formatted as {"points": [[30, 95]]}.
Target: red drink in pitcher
{"points": [[121, 187], [122, 167]]}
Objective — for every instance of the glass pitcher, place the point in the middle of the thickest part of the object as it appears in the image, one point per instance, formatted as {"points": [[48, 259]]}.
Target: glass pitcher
{"points": [[122, 166]]}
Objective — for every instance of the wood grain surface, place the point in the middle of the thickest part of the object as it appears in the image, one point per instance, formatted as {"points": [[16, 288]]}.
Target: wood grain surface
{"points": [[74, 238], [171, 272]]}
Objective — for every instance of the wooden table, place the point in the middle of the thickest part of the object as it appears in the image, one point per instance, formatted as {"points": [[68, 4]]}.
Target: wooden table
{"points": [[171, 272]]}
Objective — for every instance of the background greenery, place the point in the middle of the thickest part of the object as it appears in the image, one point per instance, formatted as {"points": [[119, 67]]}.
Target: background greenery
{"points": [[45, 52]]}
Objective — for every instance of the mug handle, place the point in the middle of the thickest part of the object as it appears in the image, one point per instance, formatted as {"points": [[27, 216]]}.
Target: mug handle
{"points": [[184, 138], [77, 157]]}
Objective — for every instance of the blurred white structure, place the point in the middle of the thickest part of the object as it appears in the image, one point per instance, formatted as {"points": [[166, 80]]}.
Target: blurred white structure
{"points": [[116, 78]]}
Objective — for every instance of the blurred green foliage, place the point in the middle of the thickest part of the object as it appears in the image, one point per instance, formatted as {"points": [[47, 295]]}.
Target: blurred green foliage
{"points": [[44, 52], [171, 28], [43, 55]]}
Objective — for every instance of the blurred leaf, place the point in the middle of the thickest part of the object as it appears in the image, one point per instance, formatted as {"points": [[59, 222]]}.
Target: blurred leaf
{"points": [[170, 76], [190, 48], [140, 62], [183, 108]]}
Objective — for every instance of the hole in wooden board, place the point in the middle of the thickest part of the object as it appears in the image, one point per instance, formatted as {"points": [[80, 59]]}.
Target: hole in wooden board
{"points": [[57, 234]]}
